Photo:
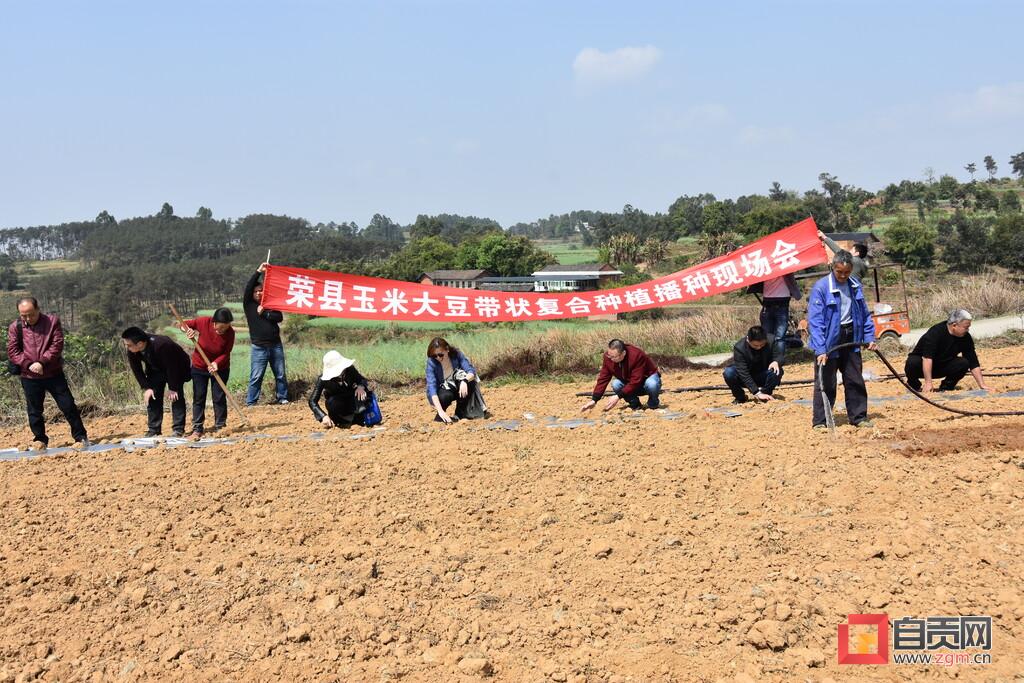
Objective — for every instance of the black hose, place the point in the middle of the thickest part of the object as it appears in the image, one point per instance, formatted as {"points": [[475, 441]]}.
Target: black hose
{"points": [[915, 392], [895, 374]]}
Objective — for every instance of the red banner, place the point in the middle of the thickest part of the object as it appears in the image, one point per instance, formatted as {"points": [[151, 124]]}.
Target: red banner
{"points": [[317, 292]]}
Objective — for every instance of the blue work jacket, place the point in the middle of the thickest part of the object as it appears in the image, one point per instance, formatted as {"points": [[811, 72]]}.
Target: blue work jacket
{"points": [[824, 311]]}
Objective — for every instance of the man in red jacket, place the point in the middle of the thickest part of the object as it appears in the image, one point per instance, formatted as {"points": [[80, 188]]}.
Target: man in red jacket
{"points": [[35, 344], [216, 337], [632, 374]]}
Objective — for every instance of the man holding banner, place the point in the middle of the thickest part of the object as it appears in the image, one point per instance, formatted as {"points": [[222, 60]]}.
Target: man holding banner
{"points": [[265, 337]]}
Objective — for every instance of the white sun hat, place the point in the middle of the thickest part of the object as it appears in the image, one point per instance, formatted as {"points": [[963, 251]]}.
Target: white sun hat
{"points": [[335, 364]]}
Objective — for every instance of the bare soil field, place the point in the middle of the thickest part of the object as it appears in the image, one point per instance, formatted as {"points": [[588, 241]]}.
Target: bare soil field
{"points": [[701, 548]]}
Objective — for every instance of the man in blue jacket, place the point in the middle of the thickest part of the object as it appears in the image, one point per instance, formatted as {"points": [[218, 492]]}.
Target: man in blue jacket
{"points": [[838, 314]]}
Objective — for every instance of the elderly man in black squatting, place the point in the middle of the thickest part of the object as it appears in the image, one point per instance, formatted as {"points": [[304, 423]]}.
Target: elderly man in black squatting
{"points": [[946, 351]]}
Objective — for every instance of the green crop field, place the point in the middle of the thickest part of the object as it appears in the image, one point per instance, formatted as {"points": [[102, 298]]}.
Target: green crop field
{"points": [[390, 361], [29, 270], [569, 253]]}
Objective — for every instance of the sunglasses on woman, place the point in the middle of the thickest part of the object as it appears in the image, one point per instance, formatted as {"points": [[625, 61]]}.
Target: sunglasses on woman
{"points": [[438, 356]]}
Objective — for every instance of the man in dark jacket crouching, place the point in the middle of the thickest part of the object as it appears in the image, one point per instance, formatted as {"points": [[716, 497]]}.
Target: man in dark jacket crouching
{"points": [[756, 367], [159, 364]]}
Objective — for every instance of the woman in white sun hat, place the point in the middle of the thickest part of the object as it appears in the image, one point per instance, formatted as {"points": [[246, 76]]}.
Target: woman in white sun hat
{"points": [[348, 397]]}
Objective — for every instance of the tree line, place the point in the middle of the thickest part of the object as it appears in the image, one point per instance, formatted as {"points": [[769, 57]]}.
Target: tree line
{"points": [[136, 265]]}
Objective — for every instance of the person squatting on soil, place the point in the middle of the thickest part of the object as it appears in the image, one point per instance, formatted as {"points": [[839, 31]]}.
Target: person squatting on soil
{"points": [[347, 394], [838, 314], [216, 337], [452, 377], [35, 348], [265, 335], [945, 350], [158, 364], [632, 374], [756, 367], [775, 296]]}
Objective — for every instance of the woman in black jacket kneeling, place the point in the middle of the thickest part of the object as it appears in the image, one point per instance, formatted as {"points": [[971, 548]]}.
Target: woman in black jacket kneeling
{"points": [[347, 394]]}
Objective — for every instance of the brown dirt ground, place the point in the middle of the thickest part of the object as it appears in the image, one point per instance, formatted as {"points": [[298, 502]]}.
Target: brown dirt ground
{"points": [[704, 548]]}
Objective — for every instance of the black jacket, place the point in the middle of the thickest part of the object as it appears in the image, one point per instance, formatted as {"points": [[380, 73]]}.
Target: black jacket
{"points": [[340, 393], [162, 356], [749, 362], [939, 345], [265, 327]]}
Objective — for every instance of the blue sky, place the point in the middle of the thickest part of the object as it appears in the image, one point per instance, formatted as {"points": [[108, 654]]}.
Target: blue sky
{"points": [[338, 110]]}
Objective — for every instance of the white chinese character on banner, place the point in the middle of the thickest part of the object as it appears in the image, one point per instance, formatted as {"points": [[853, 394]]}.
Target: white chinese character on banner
{"points": [[487, 306], [697, 281], [424, 302], [606, 301], [726, 275], [784, 254], [332, 300], [300, 291], [668, 291], [395, 301], [457, 306], [547, 307], [364, 295], [638, 297], [518, 308], [755, 265], [578, 305]]}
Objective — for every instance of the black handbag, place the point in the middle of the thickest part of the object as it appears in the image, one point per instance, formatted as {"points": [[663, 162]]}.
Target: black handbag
{"points": [[14, 368]]}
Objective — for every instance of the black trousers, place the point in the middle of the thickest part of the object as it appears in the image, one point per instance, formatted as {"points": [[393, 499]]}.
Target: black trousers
{"points": [[155, 408], [851, 365], [463, 406], [201, 381], [35, 393], [953, 370], [342, 409]]}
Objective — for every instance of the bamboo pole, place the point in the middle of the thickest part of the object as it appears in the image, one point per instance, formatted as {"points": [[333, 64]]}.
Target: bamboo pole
{"points": [[202, 354]]}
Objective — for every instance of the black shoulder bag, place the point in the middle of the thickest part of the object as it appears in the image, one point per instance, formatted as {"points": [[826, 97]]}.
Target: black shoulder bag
{"points": [[12, 367]]}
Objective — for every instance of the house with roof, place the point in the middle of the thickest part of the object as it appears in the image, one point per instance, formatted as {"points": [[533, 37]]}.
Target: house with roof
{"points": [[579, 277], [556, 278], [461, 279]]}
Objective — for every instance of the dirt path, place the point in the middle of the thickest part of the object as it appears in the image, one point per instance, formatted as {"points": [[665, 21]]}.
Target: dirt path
{"points": [[700, 548]]}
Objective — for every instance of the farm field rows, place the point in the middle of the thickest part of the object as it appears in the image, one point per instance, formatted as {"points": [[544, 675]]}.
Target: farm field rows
{"points": [[697, 548]]}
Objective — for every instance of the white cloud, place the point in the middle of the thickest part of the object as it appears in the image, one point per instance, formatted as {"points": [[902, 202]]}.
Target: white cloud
{"points": [[989, 102], [593, 67], [762, 135]]}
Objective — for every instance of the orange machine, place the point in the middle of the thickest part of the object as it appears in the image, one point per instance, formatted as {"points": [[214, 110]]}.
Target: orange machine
{"points": [[891, 322]]}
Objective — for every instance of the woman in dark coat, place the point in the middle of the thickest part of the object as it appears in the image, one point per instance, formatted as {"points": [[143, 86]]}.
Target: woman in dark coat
{"points": [[346, 393]]}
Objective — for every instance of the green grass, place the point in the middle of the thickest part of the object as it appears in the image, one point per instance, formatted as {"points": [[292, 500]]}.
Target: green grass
{"points": [[392, 361], [30, 270], [569, 253], [380, 324]]}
